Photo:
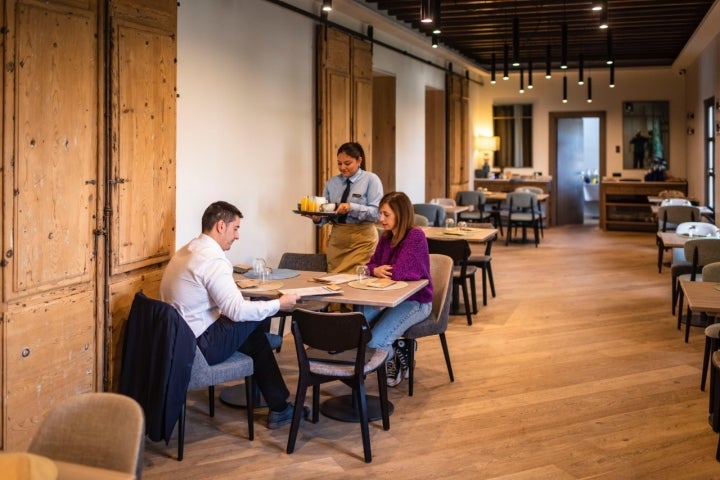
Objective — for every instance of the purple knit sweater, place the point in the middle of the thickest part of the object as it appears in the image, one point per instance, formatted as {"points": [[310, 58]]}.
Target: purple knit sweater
{"points": [[410, 261]]}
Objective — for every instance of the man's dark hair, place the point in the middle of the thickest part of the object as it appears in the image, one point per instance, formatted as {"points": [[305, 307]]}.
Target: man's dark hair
{"points": [[224, 211]]}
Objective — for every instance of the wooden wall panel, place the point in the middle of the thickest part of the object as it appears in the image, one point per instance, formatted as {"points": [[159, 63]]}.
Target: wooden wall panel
{"points": [[50, 356], [55, 174], [458, 133], [143, 147]]}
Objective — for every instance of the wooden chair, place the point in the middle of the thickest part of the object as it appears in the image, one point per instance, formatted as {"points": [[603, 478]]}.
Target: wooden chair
{"points": [[441, 270], [679, 264], [670, 216], [710, 273], [102, 430], [714, 399], [316, 335], [459, 251], [540, 206]]}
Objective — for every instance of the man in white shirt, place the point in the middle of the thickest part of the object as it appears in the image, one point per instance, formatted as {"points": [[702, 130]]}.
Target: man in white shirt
{"points": [[199, 283]]}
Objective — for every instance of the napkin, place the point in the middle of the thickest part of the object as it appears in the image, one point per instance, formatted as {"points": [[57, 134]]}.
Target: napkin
{"points": [[247, 283], [380, 282]]}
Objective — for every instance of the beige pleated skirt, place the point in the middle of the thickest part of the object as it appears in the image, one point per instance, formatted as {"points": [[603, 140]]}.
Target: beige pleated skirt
{"points": [[350, 245]]}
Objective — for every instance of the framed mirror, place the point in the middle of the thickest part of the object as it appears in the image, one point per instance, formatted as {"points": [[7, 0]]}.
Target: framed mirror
{"points": [[645, 134], [513, 126]]}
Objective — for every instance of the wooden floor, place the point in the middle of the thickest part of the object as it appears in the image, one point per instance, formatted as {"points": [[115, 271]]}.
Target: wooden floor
{"points": [[576, 370]]}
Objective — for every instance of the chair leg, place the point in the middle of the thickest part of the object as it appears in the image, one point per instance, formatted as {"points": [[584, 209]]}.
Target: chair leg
{"points": [[490, 279], [473, 294], [688, 321], [411, 361], [364, 428], [484, 284], [680, 307], [281, 330], [382, 392], [706, 361], [466, 299], [250, 401], [674, 289], [446, 352], [297, 414], [211, 400], [181, 432], [660, 256]]}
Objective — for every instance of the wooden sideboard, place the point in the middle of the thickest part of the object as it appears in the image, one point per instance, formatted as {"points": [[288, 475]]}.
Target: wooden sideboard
{"points": [[625, 206], [503, 185]]}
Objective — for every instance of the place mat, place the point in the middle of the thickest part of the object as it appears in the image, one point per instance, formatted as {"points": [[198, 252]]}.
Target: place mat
{"points": [[277, 274], [458, 232], [250, 286], [364, 285]]}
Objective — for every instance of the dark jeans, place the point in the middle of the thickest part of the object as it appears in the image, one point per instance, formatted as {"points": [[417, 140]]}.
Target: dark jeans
{"points": [[224, 337]]}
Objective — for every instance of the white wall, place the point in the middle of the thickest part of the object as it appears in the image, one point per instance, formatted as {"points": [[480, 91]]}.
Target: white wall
{"points": [[246, 126]]}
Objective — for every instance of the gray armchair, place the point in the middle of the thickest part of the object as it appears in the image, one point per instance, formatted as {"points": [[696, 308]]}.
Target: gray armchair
{"points": [[433, 212]]}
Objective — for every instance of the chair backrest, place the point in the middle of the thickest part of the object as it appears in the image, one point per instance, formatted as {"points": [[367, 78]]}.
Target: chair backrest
{"points": [[330, 332], [313, 262], [670, 216], [711, 272], [471, 198], [449, 202], [701, 229], [522, 201], [457, 249], [701, 252], [433, 212], [441, 269], [102, 430], [675, 201], [421, 220]]}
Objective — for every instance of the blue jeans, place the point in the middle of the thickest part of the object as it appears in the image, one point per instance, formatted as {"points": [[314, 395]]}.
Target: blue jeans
{"points": [[390, 323]]}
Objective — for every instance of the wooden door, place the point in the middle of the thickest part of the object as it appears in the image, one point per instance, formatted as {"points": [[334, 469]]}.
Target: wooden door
{"points": [[435, 129], [141, 182], [457, 97], [344, 102], [51, 176]]}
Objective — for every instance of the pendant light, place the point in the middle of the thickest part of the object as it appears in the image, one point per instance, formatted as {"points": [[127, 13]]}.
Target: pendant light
{"points": [[564, 99], [506, 70], [589, 90], [437, 29], [492, 69], [530, 79], [563, 46], [522, 82], [425, 12], [612, 75], [608, 47], [581, 68], [435, 40], [516, 41], [327, 5], [548, 61]]}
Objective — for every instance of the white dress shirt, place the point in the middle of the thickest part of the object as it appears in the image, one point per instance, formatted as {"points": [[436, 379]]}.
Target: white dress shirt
{"points": [[199, 283]]}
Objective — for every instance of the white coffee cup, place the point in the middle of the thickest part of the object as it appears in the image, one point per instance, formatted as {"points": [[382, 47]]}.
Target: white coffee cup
{"points": [[328, 207]]}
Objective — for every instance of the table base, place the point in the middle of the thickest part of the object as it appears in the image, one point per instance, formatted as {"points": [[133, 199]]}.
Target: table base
{"points": [[234, 396], [341, 408]]}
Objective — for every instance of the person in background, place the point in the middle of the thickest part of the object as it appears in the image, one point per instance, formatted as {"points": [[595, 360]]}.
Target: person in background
{"points": [[401, 254], [639, 145], [357, 194], [199, 283]]}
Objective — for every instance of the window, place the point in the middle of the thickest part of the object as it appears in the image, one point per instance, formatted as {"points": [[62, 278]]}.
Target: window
{"points": [[513, 124]]}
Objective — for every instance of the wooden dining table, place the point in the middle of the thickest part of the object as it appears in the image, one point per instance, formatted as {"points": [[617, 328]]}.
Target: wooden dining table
{"points": [[471, 234], [701, 297], [340, 407]]}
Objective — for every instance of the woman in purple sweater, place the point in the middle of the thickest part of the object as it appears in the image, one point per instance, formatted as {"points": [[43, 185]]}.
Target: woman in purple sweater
{"points": [[401, 254]]}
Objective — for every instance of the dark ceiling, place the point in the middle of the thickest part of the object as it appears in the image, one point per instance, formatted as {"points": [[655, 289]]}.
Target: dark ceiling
{"points": [[643, 32]]}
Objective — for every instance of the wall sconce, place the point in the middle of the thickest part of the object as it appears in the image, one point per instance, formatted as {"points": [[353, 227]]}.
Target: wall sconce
{"points": [[690, 131]]}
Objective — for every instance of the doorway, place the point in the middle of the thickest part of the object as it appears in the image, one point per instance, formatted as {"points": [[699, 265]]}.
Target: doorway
{"points": [[577, 163]]}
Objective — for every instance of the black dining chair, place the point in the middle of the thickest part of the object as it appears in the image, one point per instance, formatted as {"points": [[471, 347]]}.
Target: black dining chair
{"points": [[459, 251]]}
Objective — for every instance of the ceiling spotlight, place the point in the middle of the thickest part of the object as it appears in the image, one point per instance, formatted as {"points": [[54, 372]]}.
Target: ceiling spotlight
{"points": [[327, 5]]}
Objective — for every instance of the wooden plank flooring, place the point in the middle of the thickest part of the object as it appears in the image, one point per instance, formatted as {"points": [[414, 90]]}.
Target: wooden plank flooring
{"points": [[575, 371]]}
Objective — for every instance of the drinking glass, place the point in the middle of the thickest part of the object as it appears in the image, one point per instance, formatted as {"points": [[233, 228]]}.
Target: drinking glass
{"points": [[265, 275], [362, 273], [259, 266], [449, 223], [462, 225]]}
